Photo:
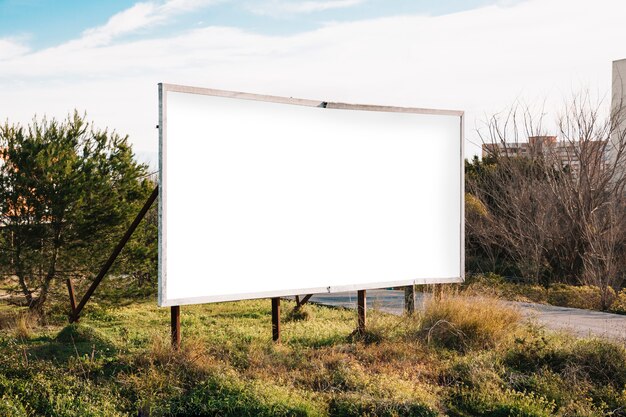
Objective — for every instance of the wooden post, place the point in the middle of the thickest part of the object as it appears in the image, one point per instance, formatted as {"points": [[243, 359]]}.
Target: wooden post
{"points": [[175, 321], [70, 290], [361, 311], [276, 319], [409, 299]]}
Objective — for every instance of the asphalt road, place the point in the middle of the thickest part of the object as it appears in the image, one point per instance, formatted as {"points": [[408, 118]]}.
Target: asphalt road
{"points": [[577, 321]]}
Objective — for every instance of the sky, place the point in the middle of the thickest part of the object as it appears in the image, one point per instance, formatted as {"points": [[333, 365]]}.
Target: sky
{"points": [[106, 58]]}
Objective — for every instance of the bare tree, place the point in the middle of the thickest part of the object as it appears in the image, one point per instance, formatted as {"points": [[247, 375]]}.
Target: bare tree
{"points": [[513, 190], [557, 208], [592, 196]]}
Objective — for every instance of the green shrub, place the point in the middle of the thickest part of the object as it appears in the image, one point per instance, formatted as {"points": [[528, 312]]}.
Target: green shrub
{"points": [[619, 305], [48, 392], [227, 397], [507, 403], [601, 361], [476, 371], [536, 350], [597, 361], [79, 333], [11, 407], [301, 313], [354, 405], [586, 297]]}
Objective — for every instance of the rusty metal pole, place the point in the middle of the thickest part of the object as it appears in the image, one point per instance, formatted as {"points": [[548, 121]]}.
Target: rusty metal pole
{"points": [[175, 322], [276, 319], [361, 311], [105, 268]]}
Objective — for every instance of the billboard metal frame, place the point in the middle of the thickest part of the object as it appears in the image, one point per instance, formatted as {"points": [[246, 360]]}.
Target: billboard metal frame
{"points": [[162, 197]]}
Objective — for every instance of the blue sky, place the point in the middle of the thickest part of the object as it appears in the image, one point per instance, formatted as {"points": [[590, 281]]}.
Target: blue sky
{"points": [[106, 58], [44, 23]]}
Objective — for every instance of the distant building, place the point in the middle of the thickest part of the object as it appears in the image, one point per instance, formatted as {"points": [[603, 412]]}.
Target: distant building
{"points": [[619, 84], [564, 153], [618, 108], [535, 146]]}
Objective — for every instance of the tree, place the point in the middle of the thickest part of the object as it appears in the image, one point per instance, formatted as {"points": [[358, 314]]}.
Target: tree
{"points": [[66, 190], [139, 258], [557, 210]]}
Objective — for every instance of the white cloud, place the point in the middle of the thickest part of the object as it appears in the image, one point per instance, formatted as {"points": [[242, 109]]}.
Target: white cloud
{"points": [[479, 61], [139, 16], [280, 8], [11, 47]]}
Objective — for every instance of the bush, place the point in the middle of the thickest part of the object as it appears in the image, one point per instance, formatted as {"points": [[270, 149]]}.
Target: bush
{"points": [[463, 323], [586, 296], [600, 361], [507, 403], [48, 392], [351, 405], [597, 361], [227, 396], [11, 407], [619, 305]]}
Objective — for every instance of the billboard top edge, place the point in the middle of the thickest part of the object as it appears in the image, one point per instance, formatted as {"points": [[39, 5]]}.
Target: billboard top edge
{"points": [[304, 102]]}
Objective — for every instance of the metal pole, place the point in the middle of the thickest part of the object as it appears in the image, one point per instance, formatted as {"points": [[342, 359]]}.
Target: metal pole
{"points": [[361, 311], [116, 252], [276, 319], [409, 299], [175, 322]]}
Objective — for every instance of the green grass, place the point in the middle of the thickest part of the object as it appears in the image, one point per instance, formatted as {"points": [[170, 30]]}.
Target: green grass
{"points": [[460, 358]]}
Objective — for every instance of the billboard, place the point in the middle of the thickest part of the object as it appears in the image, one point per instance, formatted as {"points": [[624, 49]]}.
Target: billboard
{"points": [[264, 196]]}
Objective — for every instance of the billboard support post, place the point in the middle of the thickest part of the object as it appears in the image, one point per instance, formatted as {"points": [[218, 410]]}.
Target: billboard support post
{"points": [[175, 321], [276, 319], [409, 299], [361, 311]]}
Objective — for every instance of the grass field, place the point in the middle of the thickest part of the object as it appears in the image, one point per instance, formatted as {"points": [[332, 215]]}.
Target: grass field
{"points": [[458, 358]]}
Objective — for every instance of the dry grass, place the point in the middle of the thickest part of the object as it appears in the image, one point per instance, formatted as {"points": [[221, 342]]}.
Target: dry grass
{"points": [[465, 323], [463, 356], [23, 325]]}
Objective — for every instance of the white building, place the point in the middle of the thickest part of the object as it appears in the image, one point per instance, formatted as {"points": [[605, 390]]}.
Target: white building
{"points": [[618, 108]]}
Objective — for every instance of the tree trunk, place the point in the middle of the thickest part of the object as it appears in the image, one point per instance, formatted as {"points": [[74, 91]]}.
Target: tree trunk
{"points": [[38, 303], [21, 276]]}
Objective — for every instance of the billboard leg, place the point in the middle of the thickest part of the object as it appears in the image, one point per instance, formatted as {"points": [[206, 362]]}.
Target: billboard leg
{"points": [[276, 319], [175, 321], [409, 299], [361, 311]]}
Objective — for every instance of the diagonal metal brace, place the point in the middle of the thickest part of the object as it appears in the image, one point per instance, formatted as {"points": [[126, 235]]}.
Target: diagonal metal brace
{"points": [[303, 301], [74, 315]]}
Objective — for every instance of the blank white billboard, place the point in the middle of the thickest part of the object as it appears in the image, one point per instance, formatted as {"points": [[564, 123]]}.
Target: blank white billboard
{"points": [[267, 196]]}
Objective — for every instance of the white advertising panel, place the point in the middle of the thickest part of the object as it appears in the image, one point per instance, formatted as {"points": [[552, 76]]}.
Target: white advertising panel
{"points": [[267, 196]]}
